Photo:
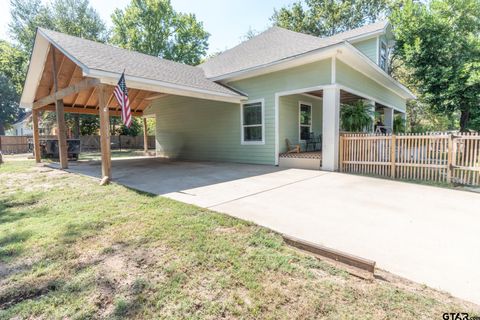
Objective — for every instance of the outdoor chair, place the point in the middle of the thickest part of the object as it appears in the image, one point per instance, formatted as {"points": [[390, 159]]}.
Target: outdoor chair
{"points": [[292, 148], [314, 141]]}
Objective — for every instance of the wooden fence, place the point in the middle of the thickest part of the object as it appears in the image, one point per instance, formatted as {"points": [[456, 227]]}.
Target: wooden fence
{"points": [[438, 157], [22, 144]]}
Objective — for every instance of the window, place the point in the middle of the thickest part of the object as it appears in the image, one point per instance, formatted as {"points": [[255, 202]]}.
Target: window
{"points": [[383, 56], [252, 122], [305, 120]]}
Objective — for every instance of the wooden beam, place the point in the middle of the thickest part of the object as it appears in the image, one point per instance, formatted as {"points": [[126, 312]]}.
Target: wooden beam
{"points": [[145, 135], [62, 93], [60, 113], [90, 110], [104, 134], [36, 137]]}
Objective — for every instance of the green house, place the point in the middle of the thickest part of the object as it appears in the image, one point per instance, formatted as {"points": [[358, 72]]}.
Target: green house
{"points": [[243, 105]]}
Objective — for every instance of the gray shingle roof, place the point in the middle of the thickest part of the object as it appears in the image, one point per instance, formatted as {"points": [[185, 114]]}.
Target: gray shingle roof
{"points": [[276, 44], [99, 56]]}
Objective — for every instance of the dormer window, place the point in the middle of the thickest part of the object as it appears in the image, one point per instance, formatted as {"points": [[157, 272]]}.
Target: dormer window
{"points": [[382, 61]]}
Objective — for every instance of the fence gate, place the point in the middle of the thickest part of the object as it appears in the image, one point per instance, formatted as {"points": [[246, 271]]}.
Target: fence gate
{"points": [[437, 157]]}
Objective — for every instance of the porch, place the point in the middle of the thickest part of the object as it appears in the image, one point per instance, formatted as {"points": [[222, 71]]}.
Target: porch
{"points": [[309, 125]]}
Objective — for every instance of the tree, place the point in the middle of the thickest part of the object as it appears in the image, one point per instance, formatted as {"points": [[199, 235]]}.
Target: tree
{"points": [[13, 64], [440, 43], [74, 17], [328, 17], [155, 28], [9, 110]]}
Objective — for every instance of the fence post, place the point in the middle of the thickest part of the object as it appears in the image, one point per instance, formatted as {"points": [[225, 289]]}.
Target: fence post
{"points": [[392, 156], [340, 151], [451, 155]]}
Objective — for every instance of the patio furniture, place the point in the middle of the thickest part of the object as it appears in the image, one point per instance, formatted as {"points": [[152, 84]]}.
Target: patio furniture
{"points": [[314, 141], [292, 148]]}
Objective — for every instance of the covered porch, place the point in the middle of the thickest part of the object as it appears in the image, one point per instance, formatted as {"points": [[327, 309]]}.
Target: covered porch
{"points": [[309, 125]]}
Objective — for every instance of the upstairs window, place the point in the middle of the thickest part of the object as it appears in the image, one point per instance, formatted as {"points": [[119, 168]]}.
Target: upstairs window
{"points": [[383, 56], [252, 122], [305, 120]]}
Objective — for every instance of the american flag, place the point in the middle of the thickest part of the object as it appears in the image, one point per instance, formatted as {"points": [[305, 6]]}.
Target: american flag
{"points": [[121, 93]]}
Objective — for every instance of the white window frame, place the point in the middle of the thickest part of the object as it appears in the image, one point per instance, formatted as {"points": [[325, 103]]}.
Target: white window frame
{"points": [[242, 126], [382, 42], [300, 125]]}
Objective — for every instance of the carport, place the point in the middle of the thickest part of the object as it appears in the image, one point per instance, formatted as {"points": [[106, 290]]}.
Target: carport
{"points": [[73, 75]]}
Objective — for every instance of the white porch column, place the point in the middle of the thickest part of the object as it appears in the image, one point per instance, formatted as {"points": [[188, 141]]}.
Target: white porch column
{"points": [[388, 117], [330, 128]]}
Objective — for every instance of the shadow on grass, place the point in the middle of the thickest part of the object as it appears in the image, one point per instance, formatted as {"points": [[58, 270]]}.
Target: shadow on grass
{"points": [[12, 244], [9, 208]]}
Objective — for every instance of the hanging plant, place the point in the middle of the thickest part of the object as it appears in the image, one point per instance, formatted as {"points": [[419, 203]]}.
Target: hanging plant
{"points": [[356, 117]]}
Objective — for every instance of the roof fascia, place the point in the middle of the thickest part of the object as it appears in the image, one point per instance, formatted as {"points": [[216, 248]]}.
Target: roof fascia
{"points": [[111, 78]]}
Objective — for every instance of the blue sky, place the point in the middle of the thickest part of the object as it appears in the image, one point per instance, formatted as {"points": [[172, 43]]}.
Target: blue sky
{"points": [[226, 20]]}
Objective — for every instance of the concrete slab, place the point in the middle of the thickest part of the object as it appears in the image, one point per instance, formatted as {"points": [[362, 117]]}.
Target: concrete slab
{"points": [[426, 234]]}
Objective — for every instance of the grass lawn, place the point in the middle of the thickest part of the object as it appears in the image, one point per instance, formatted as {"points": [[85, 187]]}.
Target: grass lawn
{"points": [[71, 249]]}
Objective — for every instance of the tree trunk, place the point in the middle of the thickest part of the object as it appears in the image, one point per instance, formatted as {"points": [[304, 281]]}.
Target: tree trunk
{"points": [[464, 119], [2, 129]]}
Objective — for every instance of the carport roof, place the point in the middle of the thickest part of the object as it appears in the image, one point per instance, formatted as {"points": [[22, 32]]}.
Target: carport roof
{"points": [[103, 61]]}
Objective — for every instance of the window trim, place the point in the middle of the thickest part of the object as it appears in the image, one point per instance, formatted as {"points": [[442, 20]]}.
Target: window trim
{"points": [[242, 126], [300, 125], [383, 42]]}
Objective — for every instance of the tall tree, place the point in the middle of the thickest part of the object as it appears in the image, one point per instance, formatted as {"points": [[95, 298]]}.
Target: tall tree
{"points": [[9, 110], [440, 43], [13, 64], [328, 17], [155, 28]]}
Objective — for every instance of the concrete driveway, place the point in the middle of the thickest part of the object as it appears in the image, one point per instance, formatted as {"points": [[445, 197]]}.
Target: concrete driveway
{"points": [[427, 234]]}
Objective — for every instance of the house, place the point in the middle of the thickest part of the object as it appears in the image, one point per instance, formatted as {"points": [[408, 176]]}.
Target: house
{"points": [[22, 127], [238, 106]]}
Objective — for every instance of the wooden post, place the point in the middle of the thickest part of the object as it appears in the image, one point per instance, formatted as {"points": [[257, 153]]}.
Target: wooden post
{"points": [[60, 113], [340, 155], [392, 156], [450, 156], [36, 137], [145, 136], [104, 134]]}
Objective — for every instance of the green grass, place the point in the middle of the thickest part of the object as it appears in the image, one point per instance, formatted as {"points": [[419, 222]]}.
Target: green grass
{"points": [[72, 249]]}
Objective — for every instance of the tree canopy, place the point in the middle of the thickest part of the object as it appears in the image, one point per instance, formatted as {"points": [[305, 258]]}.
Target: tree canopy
{"points": [[155, 28], [440, 44], [328, 17], [9, 110]]}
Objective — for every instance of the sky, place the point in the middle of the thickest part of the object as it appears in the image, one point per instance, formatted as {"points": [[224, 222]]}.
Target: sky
{"points": [[226, 20]]}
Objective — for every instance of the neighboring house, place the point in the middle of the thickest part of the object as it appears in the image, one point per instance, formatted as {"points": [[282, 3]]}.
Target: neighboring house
{"points": [[22, 127], [239, 106]]}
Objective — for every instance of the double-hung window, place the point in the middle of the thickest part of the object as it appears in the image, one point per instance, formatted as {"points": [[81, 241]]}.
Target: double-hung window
{"points": [[383, 55], [305, 120], [252, 116]]}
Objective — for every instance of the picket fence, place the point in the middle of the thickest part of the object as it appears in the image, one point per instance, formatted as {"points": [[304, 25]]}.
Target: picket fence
{"points": [[438, 157]]}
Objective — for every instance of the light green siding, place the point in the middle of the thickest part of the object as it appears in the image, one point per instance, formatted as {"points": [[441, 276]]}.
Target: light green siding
{"points": [[358, 81], [368, 47], [265, 87], [289, 118], [197, 129]]}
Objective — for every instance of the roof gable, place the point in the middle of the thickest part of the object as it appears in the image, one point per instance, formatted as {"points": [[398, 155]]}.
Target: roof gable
{"points": [[91, 55]]}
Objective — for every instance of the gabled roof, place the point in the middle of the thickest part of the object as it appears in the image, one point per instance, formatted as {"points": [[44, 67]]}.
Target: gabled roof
{"points": [[276, 44], [107, 62]]}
